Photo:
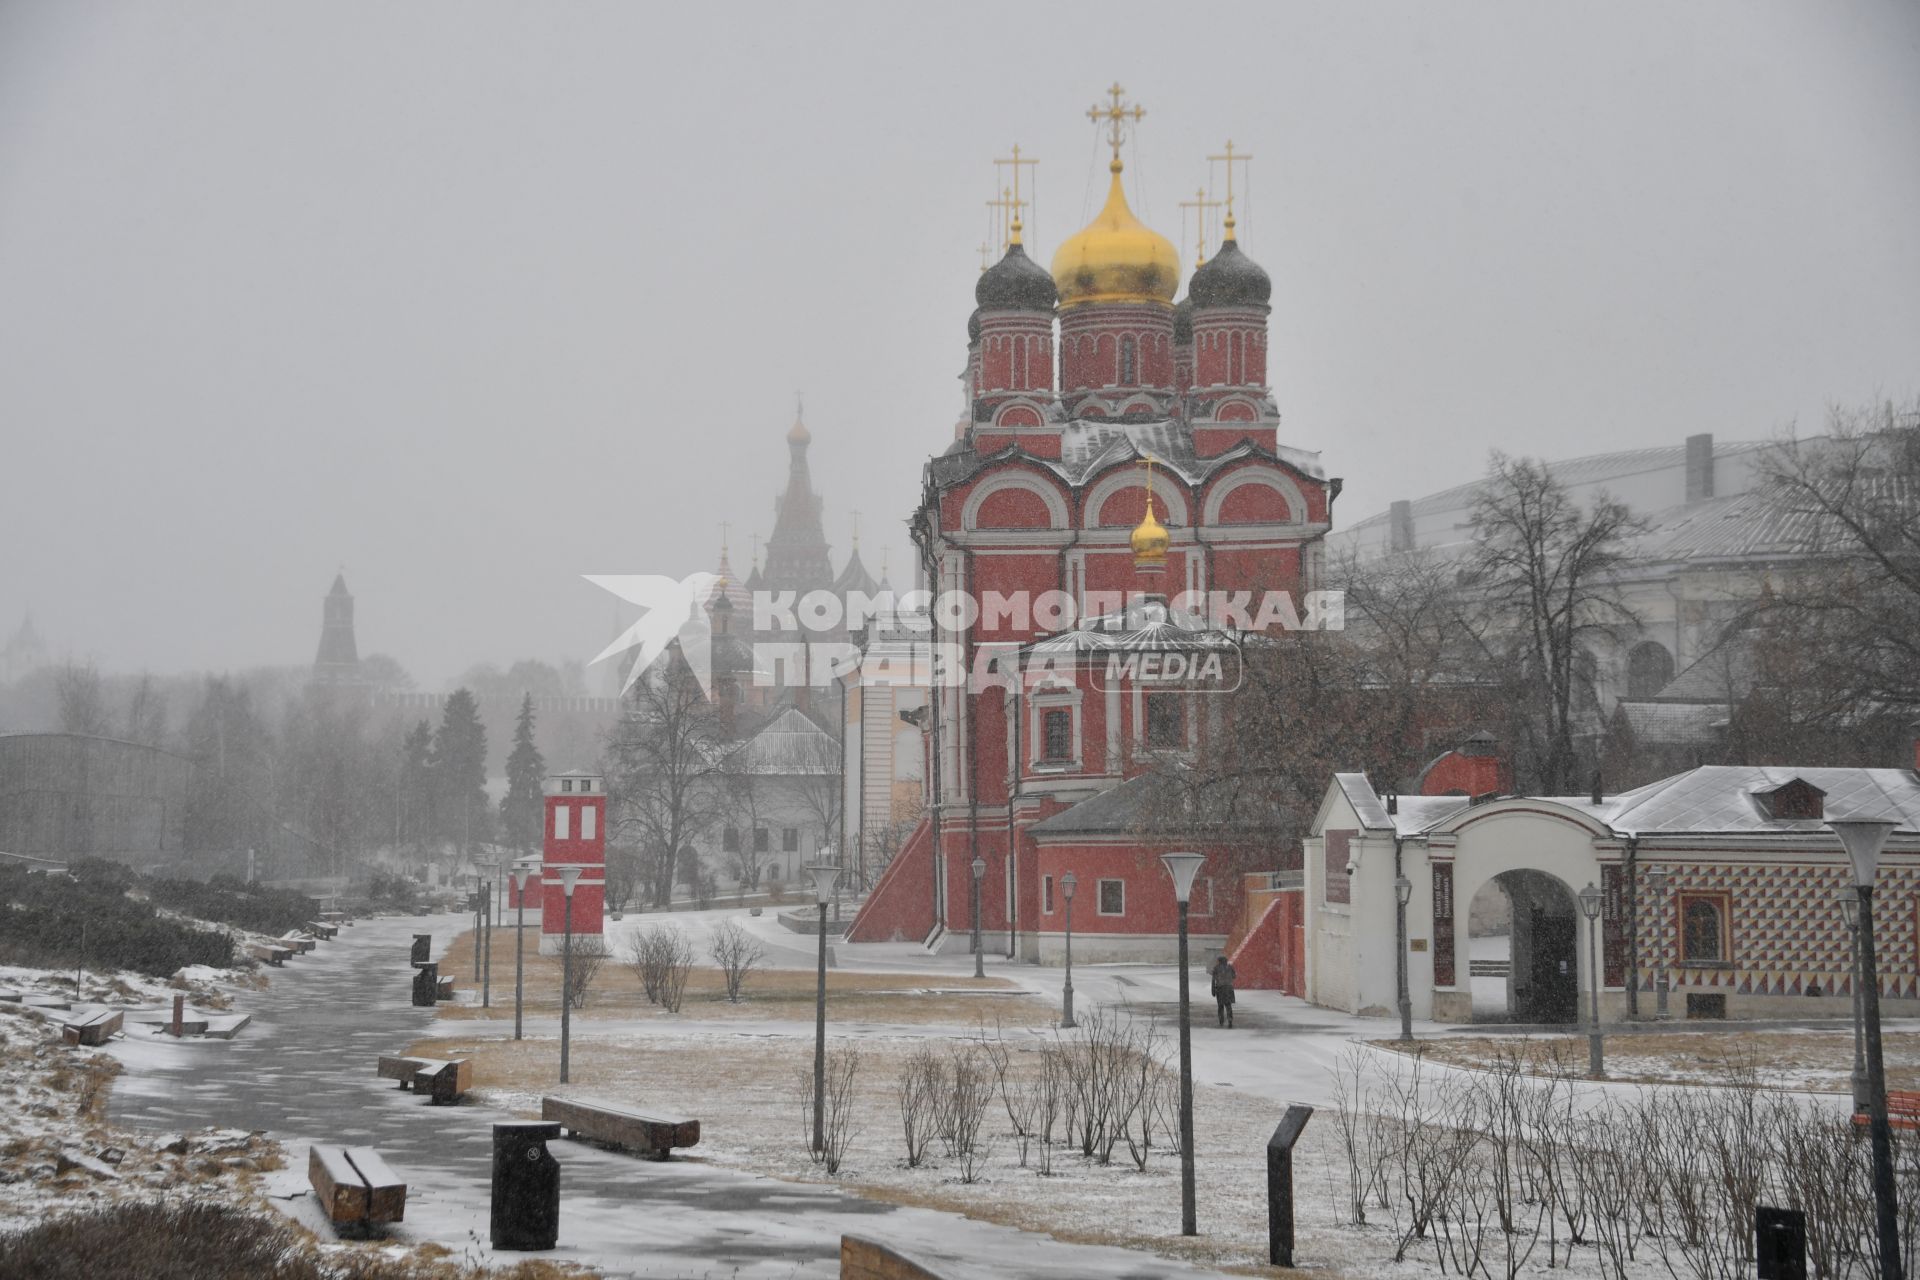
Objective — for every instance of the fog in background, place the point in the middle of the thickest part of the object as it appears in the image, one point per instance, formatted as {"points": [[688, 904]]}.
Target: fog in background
{"points": [[471, 299]]}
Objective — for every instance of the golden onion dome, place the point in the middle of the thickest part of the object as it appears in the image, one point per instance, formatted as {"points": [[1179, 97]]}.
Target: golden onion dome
{"points": [[1150, 538], [1116, 258]]}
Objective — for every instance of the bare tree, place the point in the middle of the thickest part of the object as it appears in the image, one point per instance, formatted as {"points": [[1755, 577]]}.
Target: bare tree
{"points": [[83, 702], [666, 754], [737, 954], [1546, 567]]}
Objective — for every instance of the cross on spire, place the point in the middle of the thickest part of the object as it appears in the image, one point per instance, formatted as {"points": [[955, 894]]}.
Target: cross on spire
{"points": [[856, 530], [1230, 159], [724, 527], [1017, 161], [1200, 204], [1009, 205], [1116, 115]]}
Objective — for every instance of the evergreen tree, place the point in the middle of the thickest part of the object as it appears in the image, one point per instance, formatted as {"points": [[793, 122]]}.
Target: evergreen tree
{"points": [[461, 812], [230, 800], [521, 808], [415, 823]]}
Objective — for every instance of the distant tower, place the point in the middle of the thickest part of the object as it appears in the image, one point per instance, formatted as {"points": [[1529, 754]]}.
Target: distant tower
{"points": [[797, 551], [338, 661], [25, 652], [576, 835]]}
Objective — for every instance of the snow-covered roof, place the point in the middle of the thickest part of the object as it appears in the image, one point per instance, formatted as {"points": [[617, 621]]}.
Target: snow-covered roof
{"points": [[790, 743]]}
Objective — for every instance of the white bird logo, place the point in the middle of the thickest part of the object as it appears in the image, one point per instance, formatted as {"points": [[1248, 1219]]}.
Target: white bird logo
{"points": [[671, 609]]}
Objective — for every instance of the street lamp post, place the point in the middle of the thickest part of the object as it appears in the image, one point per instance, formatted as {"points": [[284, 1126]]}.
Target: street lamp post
{"points": [[522, 872], [1067, 886], [1663, 981], [979, 960], [486, 935], [825, 876], [1183, 867], [1596, 1054], [1850, 908], [1403, 894], [1864, 838], [568, 877]]}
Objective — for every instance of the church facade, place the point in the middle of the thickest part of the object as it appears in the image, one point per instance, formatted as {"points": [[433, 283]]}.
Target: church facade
{"points": [[1121, 454]]}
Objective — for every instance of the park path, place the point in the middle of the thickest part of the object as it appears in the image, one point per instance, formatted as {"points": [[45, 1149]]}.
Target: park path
{"points": [[303, 1072]]}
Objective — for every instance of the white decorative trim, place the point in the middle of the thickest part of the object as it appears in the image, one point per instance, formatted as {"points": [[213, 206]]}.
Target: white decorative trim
{"points": [[1256, 475], [1026, 483], [1129, 477]]}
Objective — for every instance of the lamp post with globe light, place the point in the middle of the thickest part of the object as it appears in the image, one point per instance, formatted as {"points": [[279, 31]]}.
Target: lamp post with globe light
{"points": [[1402, 895], [522, 872], [568, 877], [1596, 1055], [825, 876], [979, 961], [1067, 886], [1863, 839], [1183, 867]]}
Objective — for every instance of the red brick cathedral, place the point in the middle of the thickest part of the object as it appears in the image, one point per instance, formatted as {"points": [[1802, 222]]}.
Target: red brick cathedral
{"points": [[1091, 389]]}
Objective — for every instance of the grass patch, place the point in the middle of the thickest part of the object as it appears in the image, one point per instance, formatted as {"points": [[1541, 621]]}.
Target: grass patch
{"points": [[1778, 1059]]}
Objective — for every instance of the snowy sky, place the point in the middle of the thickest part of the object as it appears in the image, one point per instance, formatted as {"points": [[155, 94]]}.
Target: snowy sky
{"points": [[474, 298]]}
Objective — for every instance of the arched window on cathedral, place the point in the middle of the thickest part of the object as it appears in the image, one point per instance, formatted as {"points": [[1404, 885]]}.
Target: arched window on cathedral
{"points": [[1127, 362], [1649, 669]]}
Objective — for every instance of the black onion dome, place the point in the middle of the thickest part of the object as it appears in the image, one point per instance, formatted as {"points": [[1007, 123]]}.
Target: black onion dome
{"points": [[1016, 283], [973, 326], [1230, 279], [1183, 321]]}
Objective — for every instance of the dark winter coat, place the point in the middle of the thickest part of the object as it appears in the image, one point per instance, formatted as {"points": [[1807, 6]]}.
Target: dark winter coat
{"points": [[1223, 976]]}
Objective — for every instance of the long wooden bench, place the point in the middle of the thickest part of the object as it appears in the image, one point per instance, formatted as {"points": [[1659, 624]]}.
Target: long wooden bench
{"points": [[93, 1029], [355, 1187], [299, 942], [443, 989], [442, 1080], [321, 930], [1903, 1110], [653, 1136], [275, 956]]}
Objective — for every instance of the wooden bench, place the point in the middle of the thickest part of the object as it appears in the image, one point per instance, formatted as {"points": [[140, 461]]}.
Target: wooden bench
{"points": [[1903, 1110], [653, 1136], [94, 1029], [443, 1081], [355, 1187], [298, 942], [321, 930], [271, 955], [443, 989]]}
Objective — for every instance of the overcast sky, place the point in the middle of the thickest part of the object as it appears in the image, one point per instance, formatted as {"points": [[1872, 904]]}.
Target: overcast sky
{"points": [[474, 298]]}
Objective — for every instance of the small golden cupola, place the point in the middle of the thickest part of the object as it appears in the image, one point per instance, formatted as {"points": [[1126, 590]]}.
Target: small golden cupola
{"points": [[1150, 538], [1116, 257]]}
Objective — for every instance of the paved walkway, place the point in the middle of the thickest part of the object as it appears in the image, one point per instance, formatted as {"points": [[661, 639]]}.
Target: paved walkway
{"points": [[303, 1071]]}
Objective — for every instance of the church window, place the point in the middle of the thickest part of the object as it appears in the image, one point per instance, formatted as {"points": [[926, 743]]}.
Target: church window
{"points": [[730, 840], [1056, 734], [1127, 362], [789, 839], [1649, 669], [559, 822], [587, 821], [1166, 721], [1113, 897], [762, 841], [1703, 927], [1046, 895]]}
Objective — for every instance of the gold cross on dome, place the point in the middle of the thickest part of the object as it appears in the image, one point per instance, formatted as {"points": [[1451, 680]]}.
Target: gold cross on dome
{"points": [[1149, 461], [1009, 206], [1231, 159], [1116, 115], [983, 257], [725, 526], [1017, 161], [1200, 204]]}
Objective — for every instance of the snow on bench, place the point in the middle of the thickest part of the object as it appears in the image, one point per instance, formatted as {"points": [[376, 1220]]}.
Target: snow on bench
{"points": [[93, 1028], [651, 1135], [442, 1081], [298, 942], [270, 954], [354, 1186], [322, 930]]}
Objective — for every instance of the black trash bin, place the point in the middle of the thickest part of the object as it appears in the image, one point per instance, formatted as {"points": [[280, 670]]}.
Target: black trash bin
{"points": [[422, 948], [426, 984], [526, 1186], [1780, 1240]]}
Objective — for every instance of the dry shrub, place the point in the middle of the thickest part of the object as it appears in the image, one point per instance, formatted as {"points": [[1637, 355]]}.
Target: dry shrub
{"points": [[736, 954]]}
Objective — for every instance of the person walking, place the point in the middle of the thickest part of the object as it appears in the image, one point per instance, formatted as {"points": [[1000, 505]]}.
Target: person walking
{"points": [[1223, 976]]}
